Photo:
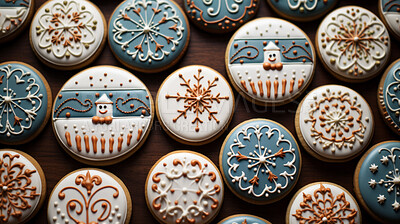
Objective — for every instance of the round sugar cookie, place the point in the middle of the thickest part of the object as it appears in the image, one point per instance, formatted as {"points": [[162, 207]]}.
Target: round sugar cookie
{"points": [[220, 16], [195, 104], [184, 187], [334, 123], [260, 161], [389, 11], [243, 219], [15, 15], [377, 181], [148, 45], [101, 196], [353, 44], [102, 115], [25, 102], [68, 34], [302, 10], [22, 186], [323, 202], [270, 61]]}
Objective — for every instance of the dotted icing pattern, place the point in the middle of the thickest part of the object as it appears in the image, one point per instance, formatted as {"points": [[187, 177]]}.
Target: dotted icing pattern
{"points": [[301, 9], [148, 34], [23, 102], [260, 160], [379, 181], [390, 10]]}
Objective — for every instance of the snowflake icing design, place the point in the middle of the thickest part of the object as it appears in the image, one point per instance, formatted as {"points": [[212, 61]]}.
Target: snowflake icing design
{"points": [[356, 40], [391, 181], [336, 120], [15, 187], [66, 28], [198, 99], [141, 29], [272, 150], [14, 117], [325, 208]]}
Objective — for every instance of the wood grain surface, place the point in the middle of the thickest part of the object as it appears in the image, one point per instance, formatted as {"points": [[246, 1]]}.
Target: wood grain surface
{"points": [[205, 49]]}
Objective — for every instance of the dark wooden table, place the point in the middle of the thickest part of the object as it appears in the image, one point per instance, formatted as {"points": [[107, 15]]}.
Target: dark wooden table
{"points": [[204, 49]]}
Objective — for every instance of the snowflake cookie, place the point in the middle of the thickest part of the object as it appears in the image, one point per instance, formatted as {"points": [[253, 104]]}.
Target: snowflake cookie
{"points": [[195, 104], [148, 35], [270, 61], [389, 11], [353, 44], [89, 196], [68, 34], [334, 123], [102, 115], [22, 186], [184, 187], [243, 219], [377, 181], [25, 98], [15, 15], [260, 161], [323, 202]]}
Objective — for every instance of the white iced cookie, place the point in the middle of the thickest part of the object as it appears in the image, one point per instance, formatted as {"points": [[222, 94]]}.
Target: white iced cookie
{"points": [[334, 123], [270, 61], [184, 187], [14, 17], [68, 34], [195, 104], [102, 115], [89, 196], [353, 44]]}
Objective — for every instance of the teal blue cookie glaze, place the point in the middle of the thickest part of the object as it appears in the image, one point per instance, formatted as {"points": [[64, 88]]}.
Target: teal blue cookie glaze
{"points": [[302, 9], [379, 181], [148, 35], [23, 102], [390, 96], [220, 15], [260, 161], [244, 219], [390, 5], [16, 3]]}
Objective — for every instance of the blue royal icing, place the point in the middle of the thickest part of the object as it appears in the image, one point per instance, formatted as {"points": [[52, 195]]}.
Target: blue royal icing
{"points": [[244, 219], [302, 8], [379, 181], [390, 96], [390, 5], [260, 160], [23, 102], [148, 34]]}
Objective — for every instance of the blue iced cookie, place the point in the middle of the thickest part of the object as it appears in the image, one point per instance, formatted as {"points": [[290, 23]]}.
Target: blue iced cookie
{"points": [[25, 98], [220, 16], [260, 161], [243, 219], [302, 10], [377, 181], [148, 35]]}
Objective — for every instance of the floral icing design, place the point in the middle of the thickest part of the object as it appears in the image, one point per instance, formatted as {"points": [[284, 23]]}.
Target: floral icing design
{"points": [[66, 28], [389, 98], [140, 30], [354, 41], [254, 168], [323, 206], [13, 14]]}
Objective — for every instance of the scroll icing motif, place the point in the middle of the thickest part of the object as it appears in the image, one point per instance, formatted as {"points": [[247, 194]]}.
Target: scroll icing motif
{"points": [[389, 97], [13, 14]]}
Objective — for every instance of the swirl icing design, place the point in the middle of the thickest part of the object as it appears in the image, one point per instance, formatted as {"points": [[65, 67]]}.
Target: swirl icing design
{"points": [[67, 33], [102, 113], [221, 15], [353, 43], [270, 60], [390, 10], [336, 122], [184, 187], [23, 102], [148, 33], [13, 14], [88, 196], [302, 9], [260, 160]]}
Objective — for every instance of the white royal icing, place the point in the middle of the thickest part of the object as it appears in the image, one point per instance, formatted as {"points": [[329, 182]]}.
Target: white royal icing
{"points": [[392, 18], [13, 16]]}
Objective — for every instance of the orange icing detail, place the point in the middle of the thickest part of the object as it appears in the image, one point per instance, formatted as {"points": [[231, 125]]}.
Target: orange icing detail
{"points": [[301, 81], [103, 144], [276, 85], [140, 131], [253, 88], [291, 85], [94, 143], [111, 144], [128, 139], [260, 86], [283, 86], [87, 145], [78, 140], [268, 83], [68, 138], [120, 140], [244, 85]]}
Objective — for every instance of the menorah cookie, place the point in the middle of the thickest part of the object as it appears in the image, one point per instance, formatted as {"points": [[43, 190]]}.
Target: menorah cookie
{"points": [[243, 219], [389, 11], [148, 35], [270, 61], [184, 187], [90, 196], [25, 102], [353, 44], [68, 34], [377, 181], [15, 15], [195, 104], [102, 115], [220, 16], [334, 123], [260, 161]]}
